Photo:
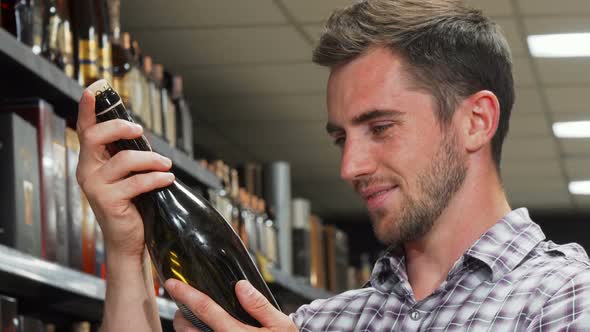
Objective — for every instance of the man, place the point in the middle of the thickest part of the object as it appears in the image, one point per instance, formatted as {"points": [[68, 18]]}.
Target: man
{"points": [[419, 99]]}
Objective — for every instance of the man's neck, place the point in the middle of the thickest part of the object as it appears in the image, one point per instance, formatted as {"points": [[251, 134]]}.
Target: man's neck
{"points": [[476, 207]]}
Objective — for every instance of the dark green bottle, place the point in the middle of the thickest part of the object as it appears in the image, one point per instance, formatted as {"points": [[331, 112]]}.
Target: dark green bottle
{"points": [[185, 235]]}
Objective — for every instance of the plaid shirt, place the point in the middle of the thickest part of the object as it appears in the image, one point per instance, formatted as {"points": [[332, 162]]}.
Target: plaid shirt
{"points": [[509, 280]]}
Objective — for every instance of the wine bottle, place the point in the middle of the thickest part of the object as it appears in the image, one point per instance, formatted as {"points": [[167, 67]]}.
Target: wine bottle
{"points": [[53, 20], [105, 69], [122, 64], [186, 237], [65, 38], [155, 97], [161, 104], [149, 89], [184, 118], [24, 19], [85, 41]]}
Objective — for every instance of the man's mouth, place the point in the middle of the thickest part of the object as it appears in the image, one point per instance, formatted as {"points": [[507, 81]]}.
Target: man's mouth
{"points": [[376, 196]]}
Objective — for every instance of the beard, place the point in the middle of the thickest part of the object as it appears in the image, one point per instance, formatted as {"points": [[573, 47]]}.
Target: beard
{"points": [[437, 185]]}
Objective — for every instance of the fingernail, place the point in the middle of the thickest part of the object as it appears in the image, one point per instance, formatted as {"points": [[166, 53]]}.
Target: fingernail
{"points": [[170, 284], [170, 177], [167, 162], [247, 288]]}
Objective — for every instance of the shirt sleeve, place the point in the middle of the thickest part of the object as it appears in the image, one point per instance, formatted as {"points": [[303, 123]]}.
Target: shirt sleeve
{"points": [[568, 309]]}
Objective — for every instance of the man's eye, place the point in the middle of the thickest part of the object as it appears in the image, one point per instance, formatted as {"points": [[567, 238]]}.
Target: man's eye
{"points": [[379, 130], [339, 141]]}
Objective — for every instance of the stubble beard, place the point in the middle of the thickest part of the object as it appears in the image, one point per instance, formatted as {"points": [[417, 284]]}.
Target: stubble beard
{"points": [[437, 186]]}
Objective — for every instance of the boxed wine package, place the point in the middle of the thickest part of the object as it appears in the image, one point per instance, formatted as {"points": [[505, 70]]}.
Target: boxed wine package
{"points": [[52, 172], [336, 243], [30, 324], [8, 314], [88, 239], [300, 213], [20, 219], [74, 197], [317, 258]]}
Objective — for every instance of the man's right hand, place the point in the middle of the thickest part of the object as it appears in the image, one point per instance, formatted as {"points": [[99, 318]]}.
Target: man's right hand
{"points": [[106, 182]]}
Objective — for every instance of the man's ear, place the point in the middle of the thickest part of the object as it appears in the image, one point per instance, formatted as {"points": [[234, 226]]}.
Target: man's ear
{"points": [[481, 115]]}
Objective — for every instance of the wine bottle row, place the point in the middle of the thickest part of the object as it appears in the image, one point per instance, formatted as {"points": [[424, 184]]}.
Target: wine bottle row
{"points": [[13, 320], [84, 39], [318, 253]]}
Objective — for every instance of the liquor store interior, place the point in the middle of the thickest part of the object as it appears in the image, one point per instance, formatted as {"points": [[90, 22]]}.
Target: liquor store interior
{"points": [[215, 141]]}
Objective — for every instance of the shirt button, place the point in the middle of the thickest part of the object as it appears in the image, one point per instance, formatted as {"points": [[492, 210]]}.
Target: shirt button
{"points": [[414, 315]]}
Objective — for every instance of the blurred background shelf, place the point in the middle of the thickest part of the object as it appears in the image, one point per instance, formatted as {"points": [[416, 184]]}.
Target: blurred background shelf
{"points": [[25, 74], [298, 286], [63, 289]]}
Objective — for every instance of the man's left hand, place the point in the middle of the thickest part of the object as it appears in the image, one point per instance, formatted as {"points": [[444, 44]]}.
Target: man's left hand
{"points": [[218, 319]]}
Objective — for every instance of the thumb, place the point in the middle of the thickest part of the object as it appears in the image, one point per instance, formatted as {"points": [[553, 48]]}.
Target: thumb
{"points": [[86, 115], [258, 306]]}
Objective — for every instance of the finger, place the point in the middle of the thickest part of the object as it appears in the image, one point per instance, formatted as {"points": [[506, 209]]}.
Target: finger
{"points": [[202, 306], [258, 306], [108, 132], [128, 161], [86, 115], [180, 323], [141, 183]]}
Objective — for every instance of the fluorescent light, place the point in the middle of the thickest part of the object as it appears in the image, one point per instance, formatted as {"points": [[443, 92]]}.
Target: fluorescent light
{"points": [[573, 129], [561, 45], [580, 187]]}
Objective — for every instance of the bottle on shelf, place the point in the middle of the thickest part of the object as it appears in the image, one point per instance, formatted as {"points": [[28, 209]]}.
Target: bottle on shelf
{"points": [[24, 19], [271, 249], [122, 64], [155, 96], [135, 75], [65, 38], [53, 20], [149, 96], [184, 118], [186, 237], [234, 196], [168, 107], [164, 103], [245, 217], [105, 69], [85, 41], [143, 81]]}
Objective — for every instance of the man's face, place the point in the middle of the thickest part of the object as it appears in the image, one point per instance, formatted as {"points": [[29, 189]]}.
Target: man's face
{"points": [[402, 162]]}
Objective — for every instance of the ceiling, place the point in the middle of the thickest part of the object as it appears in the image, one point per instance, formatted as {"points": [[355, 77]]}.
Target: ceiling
{"points": [[257, 96]]}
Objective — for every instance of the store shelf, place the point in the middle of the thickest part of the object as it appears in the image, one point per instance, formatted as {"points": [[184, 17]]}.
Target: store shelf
{"points": [[25, 74], [67, 290], [298, 286]]}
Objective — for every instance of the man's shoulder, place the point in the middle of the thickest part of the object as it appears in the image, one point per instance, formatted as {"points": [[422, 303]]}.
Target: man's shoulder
{"points": [[555, 265], [571, 254]]}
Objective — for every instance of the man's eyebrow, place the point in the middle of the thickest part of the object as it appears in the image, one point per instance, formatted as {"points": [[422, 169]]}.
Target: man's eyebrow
{"points": [[375, 114], [362, 118]]}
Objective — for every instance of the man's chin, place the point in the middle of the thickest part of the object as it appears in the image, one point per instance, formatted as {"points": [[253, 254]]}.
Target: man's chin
{"points": [[383, 228]]}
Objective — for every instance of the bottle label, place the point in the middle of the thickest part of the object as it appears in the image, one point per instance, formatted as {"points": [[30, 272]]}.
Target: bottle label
{"points": [[87, 57], [105, 62]]}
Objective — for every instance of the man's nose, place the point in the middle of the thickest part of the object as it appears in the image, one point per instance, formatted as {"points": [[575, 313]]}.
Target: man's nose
{"points": [[357, 160]]}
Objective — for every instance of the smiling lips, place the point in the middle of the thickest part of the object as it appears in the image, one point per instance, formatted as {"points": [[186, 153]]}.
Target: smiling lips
{"points": [[375, 196]]}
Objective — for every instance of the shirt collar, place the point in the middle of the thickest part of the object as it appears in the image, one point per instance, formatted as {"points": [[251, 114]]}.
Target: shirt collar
{"points": [[507, 243], [501, 248]]}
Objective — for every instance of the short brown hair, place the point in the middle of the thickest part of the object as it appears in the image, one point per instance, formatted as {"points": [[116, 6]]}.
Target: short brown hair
{"points": [[450, 50]]}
